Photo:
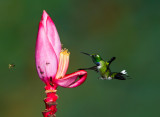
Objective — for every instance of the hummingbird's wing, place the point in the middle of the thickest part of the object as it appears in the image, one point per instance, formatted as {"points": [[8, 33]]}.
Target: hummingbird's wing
{"points": [[111, 60], [90, 68]]}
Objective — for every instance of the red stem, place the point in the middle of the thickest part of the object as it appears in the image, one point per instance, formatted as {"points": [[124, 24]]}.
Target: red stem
{"points": [[50, 101]]}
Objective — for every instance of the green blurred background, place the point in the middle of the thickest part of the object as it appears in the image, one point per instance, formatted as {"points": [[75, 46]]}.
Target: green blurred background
{"points": [[127, 29]]}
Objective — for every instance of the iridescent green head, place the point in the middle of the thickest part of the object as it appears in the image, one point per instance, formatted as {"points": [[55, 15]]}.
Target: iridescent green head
{"points": [[95, 58]]}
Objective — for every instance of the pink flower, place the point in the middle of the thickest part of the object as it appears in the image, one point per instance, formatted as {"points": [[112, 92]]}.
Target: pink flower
{"points": [[51, 60]]}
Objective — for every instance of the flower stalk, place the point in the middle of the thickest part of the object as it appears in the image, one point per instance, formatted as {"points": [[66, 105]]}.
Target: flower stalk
{"points": [[50, 101]]}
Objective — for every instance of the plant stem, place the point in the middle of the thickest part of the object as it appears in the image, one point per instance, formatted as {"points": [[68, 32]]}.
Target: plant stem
{"points": [[50, 101]]}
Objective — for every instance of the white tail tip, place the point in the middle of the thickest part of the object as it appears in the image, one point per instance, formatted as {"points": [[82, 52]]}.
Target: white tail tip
{"points": [[124, 72]]}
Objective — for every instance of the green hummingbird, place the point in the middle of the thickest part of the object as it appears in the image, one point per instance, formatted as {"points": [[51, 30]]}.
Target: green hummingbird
{"points": [[104, 68]]}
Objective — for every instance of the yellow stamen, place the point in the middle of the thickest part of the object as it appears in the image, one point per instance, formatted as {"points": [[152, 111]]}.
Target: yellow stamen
{"points": [[63, 63]]}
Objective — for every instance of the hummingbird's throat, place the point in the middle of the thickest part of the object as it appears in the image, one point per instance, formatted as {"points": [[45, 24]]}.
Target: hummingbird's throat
{"points": [[63, 63]]}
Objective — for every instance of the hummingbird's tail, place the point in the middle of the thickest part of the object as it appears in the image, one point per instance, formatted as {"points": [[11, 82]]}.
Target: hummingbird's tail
{"points": [[121, 76], [124, 72]]}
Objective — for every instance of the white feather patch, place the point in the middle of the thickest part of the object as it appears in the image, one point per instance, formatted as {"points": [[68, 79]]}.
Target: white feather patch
{"points": [[124, 72]]}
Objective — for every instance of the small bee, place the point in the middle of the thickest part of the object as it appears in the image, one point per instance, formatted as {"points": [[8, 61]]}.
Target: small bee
{"points": [[11, 66]]}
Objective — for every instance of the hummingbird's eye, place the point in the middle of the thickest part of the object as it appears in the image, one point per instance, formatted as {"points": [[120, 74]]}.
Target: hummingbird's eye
{"points": [[97, 63]]}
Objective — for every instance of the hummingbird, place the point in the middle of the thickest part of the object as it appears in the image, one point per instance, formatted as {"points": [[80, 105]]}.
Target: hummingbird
{"points": [[103, 67]]}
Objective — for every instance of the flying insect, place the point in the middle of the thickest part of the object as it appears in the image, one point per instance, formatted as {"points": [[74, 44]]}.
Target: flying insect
{"points": [[104, 68], [11, 66]]}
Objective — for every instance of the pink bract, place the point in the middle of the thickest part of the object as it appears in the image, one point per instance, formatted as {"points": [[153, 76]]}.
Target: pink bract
{"points": [[47, 55]]}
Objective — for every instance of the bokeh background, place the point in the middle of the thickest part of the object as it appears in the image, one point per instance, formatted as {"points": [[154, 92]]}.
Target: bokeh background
{"points": [[127, 29]]}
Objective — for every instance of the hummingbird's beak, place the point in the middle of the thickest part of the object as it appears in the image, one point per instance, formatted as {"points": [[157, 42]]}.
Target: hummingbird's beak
{"points": [[86, 53]]}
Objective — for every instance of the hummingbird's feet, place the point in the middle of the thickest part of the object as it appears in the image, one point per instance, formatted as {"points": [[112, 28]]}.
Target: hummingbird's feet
{"points": [[107, 78]]}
